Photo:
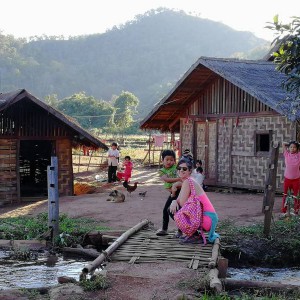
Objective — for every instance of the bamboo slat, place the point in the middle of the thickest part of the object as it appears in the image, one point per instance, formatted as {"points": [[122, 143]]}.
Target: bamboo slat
{"points": [[146, 246]]}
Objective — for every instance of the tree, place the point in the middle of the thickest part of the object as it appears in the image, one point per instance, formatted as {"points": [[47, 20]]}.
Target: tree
{"points": [[89, 111], [52, 100], [125, 106], [287, 57]]}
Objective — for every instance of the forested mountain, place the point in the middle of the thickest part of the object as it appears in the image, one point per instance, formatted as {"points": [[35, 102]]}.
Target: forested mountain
{"points": [[145, 56]]}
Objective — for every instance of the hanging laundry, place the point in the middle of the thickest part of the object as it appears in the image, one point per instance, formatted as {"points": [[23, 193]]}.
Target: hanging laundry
{"points": [[158, 140]]}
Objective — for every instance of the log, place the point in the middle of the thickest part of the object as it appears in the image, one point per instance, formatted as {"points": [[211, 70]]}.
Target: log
{"points": [[89, 268], [214, 281], [81, 251], [232, 284]]}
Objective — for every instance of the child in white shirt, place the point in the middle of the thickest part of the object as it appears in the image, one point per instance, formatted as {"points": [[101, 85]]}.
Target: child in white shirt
{"points": [[199, 176]]}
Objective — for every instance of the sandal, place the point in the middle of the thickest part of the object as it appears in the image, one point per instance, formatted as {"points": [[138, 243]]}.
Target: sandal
{"points": [[161, 232], [178, 234], [195, 239]]}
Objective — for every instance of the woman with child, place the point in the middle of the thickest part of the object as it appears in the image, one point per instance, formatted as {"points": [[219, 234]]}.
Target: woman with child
{"points": [[192, 210]]}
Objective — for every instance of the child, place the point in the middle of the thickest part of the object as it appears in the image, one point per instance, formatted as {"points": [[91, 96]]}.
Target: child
{"points": [[188, 154], [199, 176], [168, 174], [128, 165], [113, 160], [198, 164], [291, 173]]}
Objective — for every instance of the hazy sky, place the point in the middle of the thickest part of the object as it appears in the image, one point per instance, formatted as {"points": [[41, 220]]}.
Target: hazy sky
{"points": [[25, 18]]}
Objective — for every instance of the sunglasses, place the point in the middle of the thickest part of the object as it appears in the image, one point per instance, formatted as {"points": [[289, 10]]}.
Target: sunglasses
{"points": [[182, 168]]}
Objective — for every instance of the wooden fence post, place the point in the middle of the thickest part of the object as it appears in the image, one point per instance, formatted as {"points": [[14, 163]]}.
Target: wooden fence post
{"points": [[270, 187], [53, 197]]}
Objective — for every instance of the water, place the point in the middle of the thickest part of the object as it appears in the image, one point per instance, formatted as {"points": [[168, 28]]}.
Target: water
{"points": [[287, 276], [42, 272]]}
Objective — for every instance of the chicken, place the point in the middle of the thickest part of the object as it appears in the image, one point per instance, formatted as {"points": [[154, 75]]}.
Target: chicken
{"points": [[130, 188], [143, 194]]}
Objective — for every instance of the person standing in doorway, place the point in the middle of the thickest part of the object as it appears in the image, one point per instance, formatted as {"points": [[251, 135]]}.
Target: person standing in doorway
{"points": [[113, 161]]}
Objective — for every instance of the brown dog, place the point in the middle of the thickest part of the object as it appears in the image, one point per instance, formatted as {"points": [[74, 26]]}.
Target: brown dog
{"points": [[116, 196]]}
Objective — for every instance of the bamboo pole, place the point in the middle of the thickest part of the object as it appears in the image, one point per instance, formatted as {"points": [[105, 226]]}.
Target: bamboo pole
{"points": [[215, 254], [89, 268]]}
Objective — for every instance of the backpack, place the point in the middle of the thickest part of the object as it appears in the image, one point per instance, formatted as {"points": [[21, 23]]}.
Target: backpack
{"points": [[189, 218]]}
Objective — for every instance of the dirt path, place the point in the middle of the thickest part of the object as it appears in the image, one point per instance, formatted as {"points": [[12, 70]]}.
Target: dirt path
{"points": [[146, 281]]}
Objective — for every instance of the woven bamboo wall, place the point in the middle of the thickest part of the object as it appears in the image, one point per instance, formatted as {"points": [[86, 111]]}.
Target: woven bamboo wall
{"points": [[8, 174], [186, 132], [65, 173], [238, 162], [200, 147]]}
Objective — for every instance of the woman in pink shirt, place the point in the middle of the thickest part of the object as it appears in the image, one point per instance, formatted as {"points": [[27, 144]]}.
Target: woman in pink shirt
{"points": [[291, 173]]}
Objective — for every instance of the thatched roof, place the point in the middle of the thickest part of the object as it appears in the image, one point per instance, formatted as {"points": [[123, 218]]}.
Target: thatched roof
{"points": [[258, 78], [8, 99]]}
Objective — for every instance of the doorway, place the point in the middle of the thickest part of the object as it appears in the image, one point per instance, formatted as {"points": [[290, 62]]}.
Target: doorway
{"points": [[34, 158], [206, 145]]}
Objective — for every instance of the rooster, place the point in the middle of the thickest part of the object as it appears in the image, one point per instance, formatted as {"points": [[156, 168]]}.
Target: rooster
{"points": [[130, 188]]}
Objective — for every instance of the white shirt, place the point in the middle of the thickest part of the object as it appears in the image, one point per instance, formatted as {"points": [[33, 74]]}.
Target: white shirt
{"points": [[113, 161], [199, 178]]}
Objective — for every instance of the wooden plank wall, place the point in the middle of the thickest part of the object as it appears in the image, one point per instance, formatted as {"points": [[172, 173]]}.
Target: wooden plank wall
{"points": [[8, 174], [222, 97]]}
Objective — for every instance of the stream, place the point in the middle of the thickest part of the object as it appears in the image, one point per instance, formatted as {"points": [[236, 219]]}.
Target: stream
{"points": [[284, 275], [42, 272]]}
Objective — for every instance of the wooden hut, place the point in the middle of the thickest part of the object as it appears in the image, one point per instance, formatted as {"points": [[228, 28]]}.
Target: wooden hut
{"points": [[30, 133], [228, 112]]}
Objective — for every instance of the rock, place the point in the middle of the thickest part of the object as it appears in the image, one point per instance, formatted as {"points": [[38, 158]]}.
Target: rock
{"points": [[66, 279], [66, 292]]}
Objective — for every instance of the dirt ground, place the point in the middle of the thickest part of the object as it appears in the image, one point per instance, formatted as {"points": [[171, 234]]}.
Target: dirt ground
{"points": [[146, 281]]}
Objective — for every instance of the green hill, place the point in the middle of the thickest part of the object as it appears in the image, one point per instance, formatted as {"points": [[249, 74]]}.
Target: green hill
{"points": [[145, 56]]}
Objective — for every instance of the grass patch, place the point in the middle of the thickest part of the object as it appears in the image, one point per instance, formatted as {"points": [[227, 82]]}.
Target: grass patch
{"points": [[26, 228], [96, 283]]}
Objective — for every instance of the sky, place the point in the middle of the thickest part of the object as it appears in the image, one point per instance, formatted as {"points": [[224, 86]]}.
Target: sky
{"points": [[25, 18]]}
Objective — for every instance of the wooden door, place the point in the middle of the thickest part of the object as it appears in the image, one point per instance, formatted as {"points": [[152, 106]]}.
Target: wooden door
{"points": [[206, 146]]}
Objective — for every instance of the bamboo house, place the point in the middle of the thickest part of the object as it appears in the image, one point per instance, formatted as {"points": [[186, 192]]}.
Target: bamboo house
{"points": [[228, 112]]}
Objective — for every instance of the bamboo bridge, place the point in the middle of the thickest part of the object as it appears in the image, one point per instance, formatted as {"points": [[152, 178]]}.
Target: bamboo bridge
{"points": [[140, 244]]}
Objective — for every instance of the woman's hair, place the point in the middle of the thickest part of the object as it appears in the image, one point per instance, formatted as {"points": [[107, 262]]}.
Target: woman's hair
{"points": [[168, 153], [186, 160], [294, 143], [114, 144]]}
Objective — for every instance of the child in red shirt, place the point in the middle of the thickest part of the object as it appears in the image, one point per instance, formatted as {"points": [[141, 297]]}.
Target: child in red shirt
{"points": [[128, 165], [291, 173]]}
